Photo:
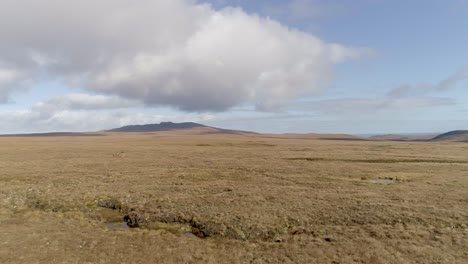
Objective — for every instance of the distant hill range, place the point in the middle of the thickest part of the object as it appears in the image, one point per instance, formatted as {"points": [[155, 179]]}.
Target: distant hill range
{"points": [[454, 136], [457, 135], [190, 128], [342, 137], [178, 128], [164, 126], [403, 137]]}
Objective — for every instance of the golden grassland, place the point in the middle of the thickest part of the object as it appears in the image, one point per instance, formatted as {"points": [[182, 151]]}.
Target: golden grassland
{"points": [[231, 199]]}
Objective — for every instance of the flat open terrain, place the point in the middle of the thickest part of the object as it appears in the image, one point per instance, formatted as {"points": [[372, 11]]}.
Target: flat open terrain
{"points": [[231, 199]]}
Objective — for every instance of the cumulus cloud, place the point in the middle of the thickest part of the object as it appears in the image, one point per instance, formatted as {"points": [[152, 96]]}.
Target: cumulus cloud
{"points": [[179, 53]]}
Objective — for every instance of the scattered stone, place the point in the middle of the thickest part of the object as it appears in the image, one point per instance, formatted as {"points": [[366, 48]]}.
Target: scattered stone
{"points": [[387, 181], [199, 230], [198, 233], [132, 219], [296, 230], [113, 204]]}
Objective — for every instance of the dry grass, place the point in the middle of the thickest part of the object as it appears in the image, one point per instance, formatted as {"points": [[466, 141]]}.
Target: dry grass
{"points": [[253, 199]]}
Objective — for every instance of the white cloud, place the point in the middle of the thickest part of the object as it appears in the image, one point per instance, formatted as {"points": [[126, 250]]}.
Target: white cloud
{"points": [[166, 52]]}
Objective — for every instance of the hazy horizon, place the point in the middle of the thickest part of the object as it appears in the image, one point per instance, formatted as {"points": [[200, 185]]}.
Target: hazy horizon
{"points": [[233, 128]]}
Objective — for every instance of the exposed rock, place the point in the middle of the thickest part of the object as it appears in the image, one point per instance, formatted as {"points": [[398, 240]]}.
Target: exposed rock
{"points": [[132, 219], [113, 204]]}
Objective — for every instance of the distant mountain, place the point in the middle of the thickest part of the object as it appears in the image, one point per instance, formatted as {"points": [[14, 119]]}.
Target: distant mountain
{"points": [[457, 135], [164, 126], [177, 128]]}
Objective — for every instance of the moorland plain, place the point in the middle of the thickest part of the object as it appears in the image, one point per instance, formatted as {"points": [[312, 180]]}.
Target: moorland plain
{"points": [[231, 199]]}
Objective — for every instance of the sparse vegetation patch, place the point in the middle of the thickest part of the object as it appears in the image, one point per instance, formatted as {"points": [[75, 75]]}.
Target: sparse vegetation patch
{"points": [[73, 199]]}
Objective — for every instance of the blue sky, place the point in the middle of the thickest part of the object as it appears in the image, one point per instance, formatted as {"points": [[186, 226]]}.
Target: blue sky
{"points": [[305, 66]]}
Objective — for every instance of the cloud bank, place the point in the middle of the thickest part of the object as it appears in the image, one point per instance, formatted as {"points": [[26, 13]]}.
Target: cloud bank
{"points": [[84, 102], [402, 98], [447, 84], [178, 53], [83, 112], [371, 106]]}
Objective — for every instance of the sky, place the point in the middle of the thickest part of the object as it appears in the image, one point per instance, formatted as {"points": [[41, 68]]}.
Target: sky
{"points": [[276, 66]]}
